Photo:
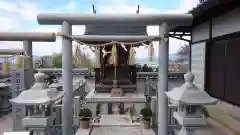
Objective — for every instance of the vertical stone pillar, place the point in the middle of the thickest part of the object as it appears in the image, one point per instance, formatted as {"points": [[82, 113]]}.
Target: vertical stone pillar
{"points": [[27, 46], [154, 110], [93, 106], [67, 115], [18, 85], [104, 108], [162, 107], [76, 104]]}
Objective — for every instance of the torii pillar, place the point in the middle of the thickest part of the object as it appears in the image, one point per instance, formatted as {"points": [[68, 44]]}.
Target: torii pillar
{"points": [[27, 47], [67, 20], [162, 107], [28, 38]]}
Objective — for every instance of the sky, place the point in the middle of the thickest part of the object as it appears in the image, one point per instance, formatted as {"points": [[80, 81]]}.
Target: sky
{"points": [[20, 16]]}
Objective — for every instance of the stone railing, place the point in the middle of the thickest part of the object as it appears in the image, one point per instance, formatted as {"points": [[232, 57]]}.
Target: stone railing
{"points": [[140, 75], [56, 127], [58, 71], [49, 130], [150, 89]]}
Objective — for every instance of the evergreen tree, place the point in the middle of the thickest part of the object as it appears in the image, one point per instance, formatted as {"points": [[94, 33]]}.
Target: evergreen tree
{"points": [[58, 61]]}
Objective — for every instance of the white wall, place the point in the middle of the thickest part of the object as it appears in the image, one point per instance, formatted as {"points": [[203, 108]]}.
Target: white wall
{"points": [[198, 63], [226, 24], [222, 25], [200, 32]]}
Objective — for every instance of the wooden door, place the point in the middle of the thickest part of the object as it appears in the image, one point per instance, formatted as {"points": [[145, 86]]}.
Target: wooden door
{"points": [[215, 75], [232, 91]]}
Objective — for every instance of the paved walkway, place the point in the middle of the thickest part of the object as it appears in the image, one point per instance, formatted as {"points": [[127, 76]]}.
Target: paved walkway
{"points": [[6, 123]]}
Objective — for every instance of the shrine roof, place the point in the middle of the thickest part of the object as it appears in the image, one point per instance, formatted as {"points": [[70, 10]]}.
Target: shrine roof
{"points": [[115, 30]]}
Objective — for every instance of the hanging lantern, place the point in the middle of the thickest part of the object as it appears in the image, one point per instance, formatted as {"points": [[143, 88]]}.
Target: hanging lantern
{"points": [[131, 60], [150, 51], [97, 60], [5, 65], [114, 54]]}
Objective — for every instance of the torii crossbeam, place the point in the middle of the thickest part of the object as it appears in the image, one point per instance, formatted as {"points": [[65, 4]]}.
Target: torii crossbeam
{"points": [[10, 51]]}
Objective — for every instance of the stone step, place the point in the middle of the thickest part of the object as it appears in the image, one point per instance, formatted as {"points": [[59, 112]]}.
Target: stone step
{"points": [[221, 128], [224, 119]]}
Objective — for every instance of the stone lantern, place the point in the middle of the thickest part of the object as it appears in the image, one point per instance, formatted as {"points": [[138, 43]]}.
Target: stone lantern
{"points": [[189, 99], [37, 102]]}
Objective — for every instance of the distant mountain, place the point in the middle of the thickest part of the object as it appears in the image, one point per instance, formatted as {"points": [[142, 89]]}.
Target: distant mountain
{"points": [[173, 57], [35, 57]]}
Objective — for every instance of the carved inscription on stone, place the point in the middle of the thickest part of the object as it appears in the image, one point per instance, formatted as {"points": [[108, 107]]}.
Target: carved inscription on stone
{"points": [[18, 111]]}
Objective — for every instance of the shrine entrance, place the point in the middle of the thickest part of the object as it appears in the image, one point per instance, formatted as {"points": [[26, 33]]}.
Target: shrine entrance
{"points": [[166, 22]]}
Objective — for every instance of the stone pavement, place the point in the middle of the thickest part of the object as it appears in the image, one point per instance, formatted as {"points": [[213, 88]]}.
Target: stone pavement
{"points": [[6, 123]]}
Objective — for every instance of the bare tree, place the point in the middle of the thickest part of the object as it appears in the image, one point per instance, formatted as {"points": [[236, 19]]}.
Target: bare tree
{"points": [[183, 53]]}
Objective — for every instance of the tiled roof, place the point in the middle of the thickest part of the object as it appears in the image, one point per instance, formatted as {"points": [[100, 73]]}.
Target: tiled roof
{"points": [[207, 5]]}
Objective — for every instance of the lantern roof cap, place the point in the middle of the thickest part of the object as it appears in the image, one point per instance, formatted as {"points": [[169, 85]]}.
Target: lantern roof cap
{"points": [[40, 93], [189, 93]]}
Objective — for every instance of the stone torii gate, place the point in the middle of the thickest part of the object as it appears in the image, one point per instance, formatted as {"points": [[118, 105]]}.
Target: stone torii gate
{"points": [[28, 38], [67, 20]]}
